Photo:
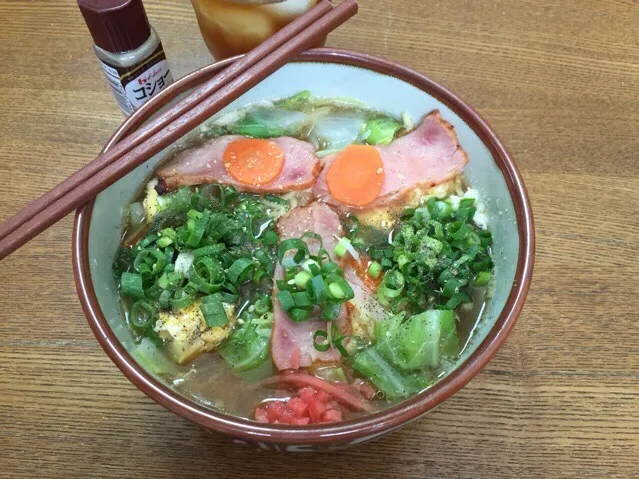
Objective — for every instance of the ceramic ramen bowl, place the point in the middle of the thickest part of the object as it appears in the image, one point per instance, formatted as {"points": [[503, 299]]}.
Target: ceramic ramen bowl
{"points": [[385, 86]]}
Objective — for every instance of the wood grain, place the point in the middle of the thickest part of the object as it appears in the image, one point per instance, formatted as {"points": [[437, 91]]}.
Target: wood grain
{"points": [[558, 80]]}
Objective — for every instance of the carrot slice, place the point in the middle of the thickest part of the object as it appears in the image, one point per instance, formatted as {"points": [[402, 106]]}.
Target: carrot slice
{"points": [[254, 162], [356, 176]]}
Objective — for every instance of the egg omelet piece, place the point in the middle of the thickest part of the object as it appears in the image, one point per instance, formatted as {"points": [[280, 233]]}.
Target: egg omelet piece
{"points": [[450, 187], [362, 324], [187, 333], [150, 202], [377, 218]]}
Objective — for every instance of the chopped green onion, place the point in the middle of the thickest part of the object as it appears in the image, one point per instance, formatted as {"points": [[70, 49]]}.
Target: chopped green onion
{"points": [[131, 285], [374, 270], [286, 300], [336, 291], [402, 260], [211, 250], [393, 284], [466, 209], [194, 214], [276, 199], [302, 278], [221, 193], [150, 262], [323, 256], [301, 299], [310, 266], [324, 345], [457, 299], [315, 236], [482, 279], [199, 227], [317, 288], [229, 298], [142, 314], [330, 268], [213, 311], [343, 285], [182, 299], [439, 210], [451, 287], [262, 305], [289, 245], [238, 270], [164, 301], [164, 241], [342, 247], [330, 311], [270, 238], [284, 285], [300, 314], [207, 275], [170, 280]]}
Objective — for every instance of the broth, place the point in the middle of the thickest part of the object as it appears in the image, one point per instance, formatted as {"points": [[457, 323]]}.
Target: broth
{"points": [[201, 299]]}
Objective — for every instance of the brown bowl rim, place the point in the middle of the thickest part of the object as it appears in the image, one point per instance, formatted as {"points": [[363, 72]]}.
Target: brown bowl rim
{"points": [[348, 431]]}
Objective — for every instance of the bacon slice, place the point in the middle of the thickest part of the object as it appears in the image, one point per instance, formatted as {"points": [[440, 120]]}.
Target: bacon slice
{"points": [[428, 156], [292, 343], [205, 165]]}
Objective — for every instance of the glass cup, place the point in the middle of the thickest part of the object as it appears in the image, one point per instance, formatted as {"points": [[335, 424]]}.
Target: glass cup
{"points": [[232, 27]]}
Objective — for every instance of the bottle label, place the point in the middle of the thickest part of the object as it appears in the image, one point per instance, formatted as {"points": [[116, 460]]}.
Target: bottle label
{"points": [[134, 86]]}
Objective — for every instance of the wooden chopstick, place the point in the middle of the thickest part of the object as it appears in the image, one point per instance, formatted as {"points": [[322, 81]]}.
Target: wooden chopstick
{"points": [[145, 132], [156, 142]]}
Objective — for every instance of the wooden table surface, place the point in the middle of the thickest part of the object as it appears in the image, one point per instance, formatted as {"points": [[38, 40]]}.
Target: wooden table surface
{"points": [[559, 82]]}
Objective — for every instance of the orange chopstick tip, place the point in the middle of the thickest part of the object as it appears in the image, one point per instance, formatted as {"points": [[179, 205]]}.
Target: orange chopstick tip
{"points": [[253, 162], [356, 176]]}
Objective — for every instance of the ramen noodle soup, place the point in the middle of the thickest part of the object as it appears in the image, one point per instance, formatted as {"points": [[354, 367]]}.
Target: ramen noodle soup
{"points": [[232, 27], [306, 261]]}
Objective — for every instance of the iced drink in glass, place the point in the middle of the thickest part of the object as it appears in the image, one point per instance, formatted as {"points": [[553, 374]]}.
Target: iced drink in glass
{"points": [[231, 27]]}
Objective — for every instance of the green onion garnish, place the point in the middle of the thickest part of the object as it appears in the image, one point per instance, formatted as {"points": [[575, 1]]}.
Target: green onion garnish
{"points": [[318, 289], [302, 299], [213, 311], [286, 300], [207, 275], [302, 278], [300, 314], [238, 270], [342, 247], [142, 314], [199, 227], [335, 291], [310, 266], [182, 299], [131, 285], [296, 245], [374, 270], [482, 278], [323, 344]]}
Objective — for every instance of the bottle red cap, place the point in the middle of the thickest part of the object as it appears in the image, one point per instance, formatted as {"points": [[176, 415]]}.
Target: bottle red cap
{"points": [[116, 25]]}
